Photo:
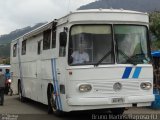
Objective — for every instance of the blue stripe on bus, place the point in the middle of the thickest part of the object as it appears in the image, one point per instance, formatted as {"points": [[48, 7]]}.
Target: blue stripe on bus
{"points": [[57, 85], [137, 72], [55, 82], [127, 72]]}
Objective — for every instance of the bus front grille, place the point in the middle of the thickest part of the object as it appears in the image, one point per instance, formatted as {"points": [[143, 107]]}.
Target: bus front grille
{"points": [[128, 87]]}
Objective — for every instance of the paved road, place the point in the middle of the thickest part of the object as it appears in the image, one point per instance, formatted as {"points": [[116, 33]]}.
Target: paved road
{"points": [[31, 110]]}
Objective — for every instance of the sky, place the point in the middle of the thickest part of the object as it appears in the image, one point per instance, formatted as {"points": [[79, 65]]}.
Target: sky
{"points": [[16, 14]]}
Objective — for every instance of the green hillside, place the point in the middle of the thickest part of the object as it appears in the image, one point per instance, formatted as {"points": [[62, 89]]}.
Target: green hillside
{"points": [[7, 38]]}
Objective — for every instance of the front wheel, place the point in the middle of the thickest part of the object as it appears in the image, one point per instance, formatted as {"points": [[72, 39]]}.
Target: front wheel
{"points": [[52, 108], [7, 89], [21, 98], [10, 92]]}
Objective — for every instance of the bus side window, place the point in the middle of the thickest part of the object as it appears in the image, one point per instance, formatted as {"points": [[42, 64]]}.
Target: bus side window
{"points": [[39, 48], [53, 38], [46, 39], [63, 41], [23, 47], [14, 50]]}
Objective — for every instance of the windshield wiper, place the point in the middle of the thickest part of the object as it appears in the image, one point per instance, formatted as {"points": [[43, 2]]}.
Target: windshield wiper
{"points": [[101, 60], [140, 56], [128, 58]]}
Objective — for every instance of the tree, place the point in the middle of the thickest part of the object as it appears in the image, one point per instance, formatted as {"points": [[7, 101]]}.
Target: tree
{"points": [[155, 28], [155, 24], [6, 61]]}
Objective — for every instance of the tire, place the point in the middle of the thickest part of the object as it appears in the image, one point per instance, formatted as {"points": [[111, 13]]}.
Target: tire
{"points": [[2, 97], [117, 111], [6, 89], [2, 101], [21, 98], [11, 92], [52, 108]]}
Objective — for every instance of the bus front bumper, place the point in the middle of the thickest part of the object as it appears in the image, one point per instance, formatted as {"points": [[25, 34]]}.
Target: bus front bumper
{"points": [[139, 100]]}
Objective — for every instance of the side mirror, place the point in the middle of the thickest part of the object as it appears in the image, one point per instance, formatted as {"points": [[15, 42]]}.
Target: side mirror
{"points": [[63, 39]]}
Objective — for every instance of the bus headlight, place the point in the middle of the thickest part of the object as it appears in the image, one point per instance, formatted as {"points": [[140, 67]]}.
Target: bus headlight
{"points": [[85, 88], [146, 85]]}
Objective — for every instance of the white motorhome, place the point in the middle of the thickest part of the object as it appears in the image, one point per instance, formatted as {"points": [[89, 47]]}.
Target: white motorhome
{"points": [[115, 72]]}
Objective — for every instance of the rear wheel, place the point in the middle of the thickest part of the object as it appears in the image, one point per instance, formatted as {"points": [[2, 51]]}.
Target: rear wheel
{"points": [[117, 111], [52, 107], [10, 92], [21, 98]]}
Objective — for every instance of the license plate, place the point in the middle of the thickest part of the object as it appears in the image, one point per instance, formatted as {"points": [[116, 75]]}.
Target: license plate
{"points": [[117, 100]]}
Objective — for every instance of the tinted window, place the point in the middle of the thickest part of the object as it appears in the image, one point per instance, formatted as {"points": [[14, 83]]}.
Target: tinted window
{"points": [[53, 39], [39, 48], [46, 39], [24, 47], [14, 50]]}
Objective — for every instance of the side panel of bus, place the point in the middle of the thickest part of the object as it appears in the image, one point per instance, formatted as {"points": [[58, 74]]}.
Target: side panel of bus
{"points": [[14, 66], [32, 66]]}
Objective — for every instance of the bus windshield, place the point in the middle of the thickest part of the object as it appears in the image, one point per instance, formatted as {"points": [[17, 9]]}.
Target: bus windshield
{"points": [[89, 43], [131, 44], [93, 44]]}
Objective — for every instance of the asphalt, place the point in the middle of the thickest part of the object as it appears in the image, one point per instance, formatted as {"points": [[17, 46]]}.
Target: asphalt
{"points": [[13, 109]]}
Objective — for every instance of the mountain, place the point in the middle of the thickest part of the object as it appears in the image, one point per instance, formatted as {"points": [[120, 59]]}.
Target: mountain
{"points": [[7, 38], [136, 5]]}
